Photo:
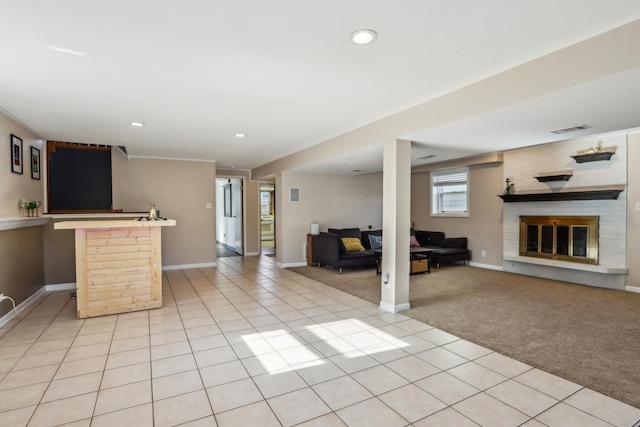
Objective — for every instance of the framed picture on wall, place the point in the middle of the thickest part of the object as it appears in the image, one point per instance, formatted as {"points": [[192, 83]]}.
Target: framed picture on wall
{"points": [[35, 163], [16, 154]]}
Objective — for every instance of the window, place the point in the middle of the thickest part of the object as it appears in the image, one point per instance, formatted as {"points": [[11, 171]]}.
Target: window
{"points": [[449, 192]]}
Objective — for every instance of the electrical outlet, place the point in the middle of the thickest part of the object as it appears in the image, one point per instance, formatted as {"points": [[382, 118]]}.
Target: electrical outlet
{"points": [[385, 281], [483, 253]]}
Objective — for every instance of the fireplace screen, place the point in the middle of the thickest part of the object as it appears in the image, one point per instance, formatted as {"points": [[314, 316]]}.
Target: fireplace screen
{"points": [[565, 238]]}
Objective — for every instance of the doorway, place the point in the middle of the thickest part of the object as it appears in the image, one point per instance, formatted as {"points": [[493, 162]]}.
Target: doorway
{"points": [[229, 217], [267, 219]]}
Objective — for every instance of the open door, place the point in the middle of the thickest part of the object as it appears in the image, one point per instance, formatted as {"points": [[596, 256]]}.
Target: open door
{"points": [[267, 219], [229, 216]]}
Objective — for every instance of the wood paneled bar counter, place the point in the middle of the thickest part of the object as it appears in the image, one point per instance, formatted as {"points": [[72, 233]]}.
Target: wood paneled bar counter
{"points": [[118, 265]]}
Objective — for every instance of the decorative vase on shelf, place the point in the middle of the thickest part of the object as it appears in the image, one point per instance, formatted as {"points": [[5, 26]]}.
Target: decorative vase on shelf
{"points": [[509, 189], [23, 204], [152, 212]]}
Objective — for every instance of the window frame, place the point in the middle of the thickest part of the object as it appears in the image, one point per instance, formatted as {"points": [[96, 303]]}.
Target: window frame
{"points": [[434, 208]]}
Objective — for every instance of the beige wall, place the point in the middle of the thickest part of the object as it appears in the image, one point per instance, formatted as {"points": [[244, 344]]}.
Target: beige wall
{"points": [[59, 255], [483, 226], [180, 190], [21, 274], [633, 216], [14, 187], [335, 201], [21, 266]]}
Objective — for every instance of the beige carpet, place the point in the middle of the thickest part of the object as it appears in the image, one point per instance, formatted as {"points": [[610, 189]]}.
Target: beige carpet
{"points": [[584, 334]]}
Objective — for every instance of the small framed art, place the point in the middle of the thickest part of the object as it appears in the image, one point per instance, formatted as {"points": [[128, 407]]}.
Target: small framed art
{"points": [[35, 163], [16, 154]]}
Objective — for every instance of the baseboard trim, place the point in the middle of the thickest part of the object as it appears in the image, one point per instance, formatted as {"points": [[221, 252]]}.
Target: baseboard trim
{"points": [[487, 266], [291, 264], [394, 308], [632, 289], [60, 287], [187, 266], [252, 254], [22, 306]]}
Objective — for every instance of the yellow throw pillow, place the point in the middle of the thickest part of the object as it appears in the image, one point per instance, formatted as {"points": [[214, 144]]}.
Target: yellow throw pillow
{"points": [[352, 244]]}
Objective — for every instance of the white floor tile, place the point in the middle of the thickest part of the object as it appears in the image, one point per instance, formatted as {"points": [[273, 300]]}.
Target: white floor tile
{"points": [[286, 350]]}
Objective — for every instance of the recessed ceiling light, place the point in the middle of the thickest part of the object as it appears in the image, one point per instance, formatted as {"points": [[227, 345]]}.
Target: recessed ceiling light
{"points": [[63, 50], [137, 124], [240, 135], [363, 36]]}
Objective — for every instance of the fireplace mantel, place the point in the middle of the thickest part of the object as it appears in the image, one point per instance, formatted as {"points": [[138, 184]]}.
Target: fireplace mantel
{"points": [[585, 193]]}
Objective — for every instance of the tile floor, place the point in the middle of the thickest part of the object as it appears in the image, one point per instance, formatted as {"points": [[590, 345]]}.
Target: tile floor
{"points": [[248, 344]]}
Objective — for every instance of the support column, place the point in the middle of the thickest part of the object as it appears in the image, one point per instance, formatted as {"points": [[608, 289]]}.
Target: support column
{"points": [[396, 225]]}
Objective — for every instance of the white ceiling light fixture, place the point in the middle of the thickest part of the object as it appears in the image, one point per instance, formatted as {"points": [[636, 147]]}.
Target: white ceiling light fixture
{"points": [[137, 124], [63, 50], [240, 135], [363, 36]]}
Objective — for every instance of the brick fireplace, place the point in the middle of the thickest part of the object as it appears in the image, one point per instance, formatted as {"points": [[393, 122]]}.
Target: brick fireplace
{"points": [[603, 261]]}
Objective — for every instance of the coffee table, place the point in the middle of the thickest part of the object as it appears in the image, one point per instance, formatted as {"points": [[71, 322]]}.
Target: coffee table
{"points": [[415, 253]]}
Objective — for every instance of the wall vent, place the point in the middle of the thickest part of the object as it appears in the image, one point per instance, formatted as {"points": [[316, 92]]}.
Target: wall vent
{"points": [[571, 129]]}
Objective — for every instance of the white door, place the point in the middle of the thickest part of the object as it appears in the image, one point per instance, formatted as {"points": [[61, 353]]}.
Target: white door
{"points": [[237, 214]]}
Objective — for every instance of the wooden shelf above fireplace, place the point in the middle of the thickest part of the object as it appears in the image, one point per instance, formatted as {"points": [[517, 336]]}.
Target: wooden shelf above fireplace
{"points": [[587, 193], [564, 175], [593, 157]]}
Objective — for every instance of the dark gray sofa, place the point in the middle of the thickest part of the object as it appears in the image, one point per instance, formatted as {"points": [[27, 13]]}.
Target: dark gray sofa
{"points": [[445, 249], [328, 249]]}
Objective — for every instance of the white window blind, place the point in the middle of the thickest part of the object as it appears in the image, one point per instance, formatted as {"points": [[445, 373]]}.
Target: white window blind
{"points": [[449, 192]]}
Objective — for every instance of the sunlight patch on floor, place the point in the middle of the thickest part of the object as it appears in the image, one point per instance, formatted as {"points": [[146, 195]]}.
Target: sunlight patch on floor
{"points": [[298, 355]]}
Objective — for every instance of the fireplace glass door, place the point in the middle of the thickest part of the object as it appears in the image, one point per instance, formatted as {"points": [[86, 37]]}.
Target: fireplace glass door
{"points": [[562, 238]]}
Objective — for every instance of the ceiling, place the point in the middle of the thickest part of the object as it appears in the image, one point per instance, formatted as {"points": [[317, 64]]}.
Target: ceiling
{"points": [[284, 73]]}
